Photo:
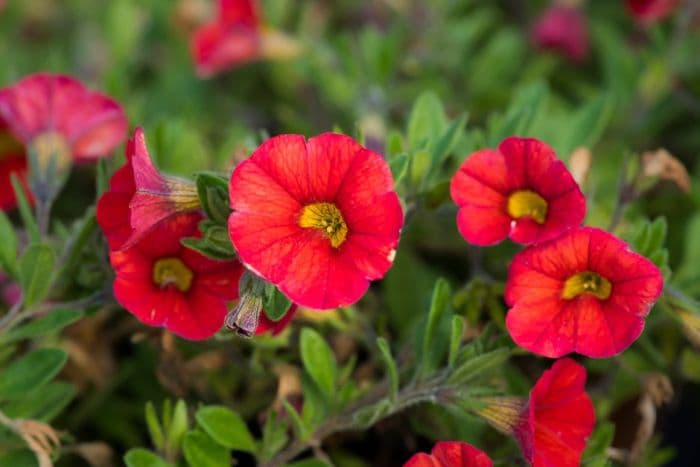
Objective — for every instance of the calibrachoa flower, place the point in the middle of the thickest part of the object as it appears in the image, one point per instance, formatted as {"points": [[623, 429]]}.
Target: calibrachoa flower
{"points": [[317, 218], [13, 160], [563, 29], [163, 283], [649, 11], [554, 423], [140, 197], [583, 292], [235, 37], [519, 191], [450, 454]]}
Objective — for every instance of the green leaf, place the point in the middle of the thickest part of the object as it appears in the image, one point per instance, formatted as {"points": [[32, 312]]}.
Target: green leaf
{"points": [[154, 428], [207, 249], [457, 331], [587, 124], [25, 212], [466, 371], [427, 119], [227, 428], [140, 457], [275, 303], [176, 427], [438, 306], [8, 246], [368, 416], [43, 405], [101, 177], [445, 144], [213, 194], [297, 422], [30, 372], [274, 436], [52, 322], [319, 361], [391, 370], [601, 439], [19, 458], [520, 116], [399, 167], [35, 270], [202, 451], [309, 463]]}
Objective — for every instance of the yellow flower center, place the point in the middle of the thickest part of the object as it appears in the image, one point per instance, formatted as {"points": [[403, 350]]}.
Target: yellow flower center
{"points": [[172, 271], [586, 282], [51, 148], [526, 203], [327, 218]]}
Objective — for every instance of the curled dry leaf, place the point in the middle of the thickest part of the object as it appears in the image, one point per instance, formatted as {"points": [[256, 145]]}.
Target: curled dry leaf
{"points": [[288, 385], [580, 164], [656, 391], [97, 453], [41, 439], [661, 164]]}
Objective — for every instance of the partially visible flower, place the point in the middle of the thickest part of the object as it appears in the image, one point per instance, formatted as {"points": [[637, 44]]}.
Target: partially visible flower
{"points": [[553, 425], [519, 191], [163, 283], [237, 36], [650, 11], [583, 292], [450, 454], [319, 218], [564, 29], [10, 291], [13, 160], [266, 325], [140, 197]]}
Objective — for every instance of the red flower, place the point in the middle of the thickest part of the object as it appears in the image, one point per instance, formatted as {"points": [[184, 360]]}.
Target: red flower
{"points": [[235, 37], [649, 11], [450, 454], [563, 29], [140, 197], [317, 218], [266, 325], [12, 161], [58, 111], [165, 284], [519, 191], [583, 292]]}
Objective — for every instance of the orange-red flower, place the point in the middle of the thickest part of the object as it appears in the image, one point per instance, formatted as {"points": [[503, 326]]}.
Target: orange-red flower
{"points": [[649, 11], [519, 191], [553, 425], [165, 284], [563, 29], [140, 197], [583, 292], [54, 114], [317, 218], [450, 454]]}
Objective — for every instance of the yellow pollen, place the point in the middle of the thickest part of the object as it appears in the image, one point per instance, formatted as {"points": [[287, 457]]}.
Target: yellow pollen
{"points": [[586, 283], [51, 148], [526, 203], [327, 218], [172, 271]]}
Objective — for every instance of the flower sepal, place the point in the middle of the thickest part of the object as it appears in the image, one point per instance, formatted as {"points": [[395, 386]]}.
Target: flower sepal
{"points": [[50, 162], [212, 190], [245, 316], [214, 242]]}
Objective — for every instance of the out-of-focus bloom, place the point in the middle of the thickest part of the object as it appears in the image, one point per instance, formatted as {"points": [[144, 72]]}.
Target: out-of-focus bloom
{"points": [[317, 218], [450, 454], [163, 283], [10, 291], [519, 191], [563, 29], [140, 197], [650, 11], [554, 423], [237, 36], [266, 325], [583, 292], [58, 120]]}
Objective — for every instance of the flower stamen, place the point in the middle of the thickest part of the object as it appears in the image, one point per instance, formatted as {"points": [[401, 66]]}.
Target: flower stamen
{"points": [[172, 271], [526, 203], [586, 282], [327, 218]]}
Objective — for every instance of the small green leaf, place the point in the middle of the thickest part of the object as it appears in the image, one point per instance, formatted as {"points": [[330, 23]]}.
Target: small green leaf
{"points": [[478, 364], [202, 451], [8, 246], [309, 463], [227, 428], [140, 457], [319, 361], [445, 144], [457, 331], [30, 372], [427, 119], [176, 427], [52, 322], [207, 249], [601, 439], [587, 124], [297, 422], [213, 194], [391, 370], [25, 212], [369, 415], [399, 167], [274, 436], [43, 405], [35, 270], [438, 307], [275, 303], [154, 428]]}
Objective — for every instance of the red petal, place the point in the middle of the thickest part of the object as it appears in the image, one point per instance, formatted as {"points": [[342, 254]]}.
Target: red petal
{"points": [[330, 158], [451, 454], [12, 164], [239, 11], [422, 460], [527, 159]]}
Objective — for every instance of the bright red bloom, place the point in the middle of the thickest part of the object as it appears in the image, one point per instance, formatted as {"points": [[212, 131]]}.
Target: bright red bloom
{"points": [[583, 292], [266, 325], [450, 454], [12, 161], [140, 197], [563, 29], [163, 283], [61, 111], [649, 11], [317, 218], [519, 191], [553, 425]]}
